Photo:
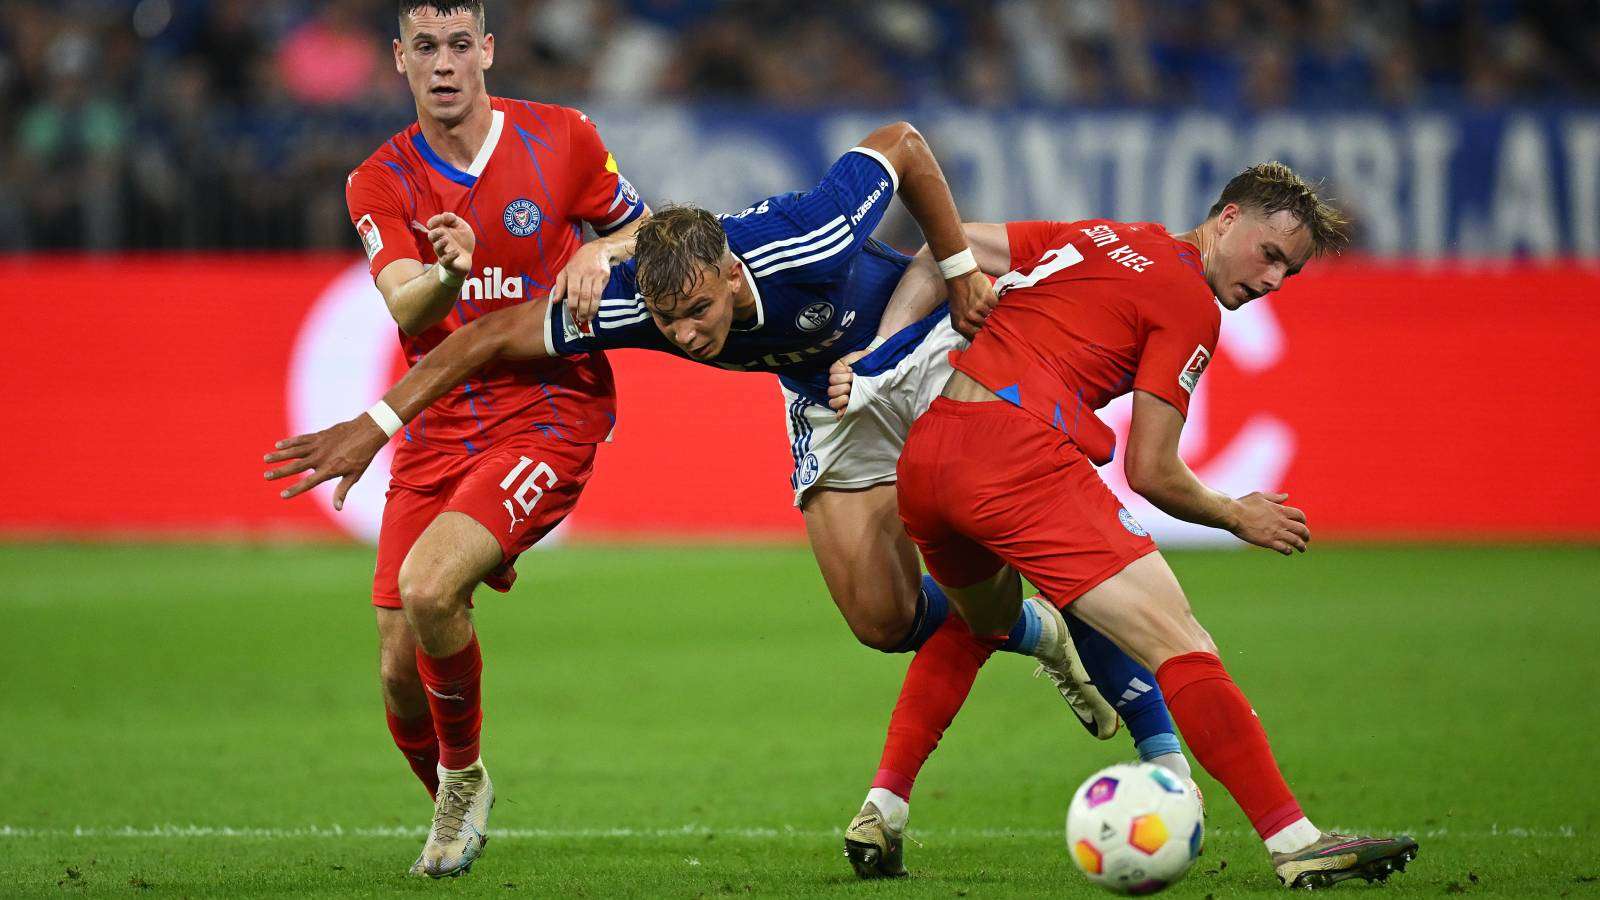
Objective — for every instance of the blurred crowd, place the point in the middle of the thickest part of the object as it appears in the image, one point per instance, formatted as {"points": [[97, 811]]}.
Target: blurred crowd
{"points": [[231, 123]]}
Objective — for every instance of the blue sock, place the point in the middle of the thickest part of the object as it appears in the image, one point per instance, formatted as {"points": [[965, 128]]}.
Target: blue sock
{"points": [[933, 607], [1024, 636], [1128, 687]]}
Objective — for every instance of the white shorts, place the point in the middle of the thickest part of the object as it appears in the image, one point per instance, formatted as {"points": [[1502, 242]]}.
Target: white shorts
{"points": [[862, 449]]}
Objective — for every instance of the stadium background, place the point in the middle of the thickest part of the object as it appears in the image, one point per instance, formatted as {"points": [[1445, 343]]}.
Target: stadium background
{"points": [[183, 288]]}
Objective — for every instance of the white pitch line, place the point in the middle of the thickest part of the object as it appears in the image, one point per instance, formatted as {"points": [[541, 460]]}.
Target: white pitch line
{"points": [[1564, 832]]}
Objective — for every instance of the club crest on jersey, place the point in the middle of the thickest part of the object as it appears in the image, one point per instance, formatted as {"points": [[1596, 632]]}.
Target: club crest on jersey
{"points": [[522, 217], [1130, 523], [814, 317], [1193, 369]]}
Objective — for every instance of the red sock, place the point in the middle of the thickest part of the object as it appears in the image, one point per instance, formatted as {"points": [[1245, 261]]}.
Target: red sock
{"points": [[937, 683], [416, 740], [452, 683], [1227, 738]]}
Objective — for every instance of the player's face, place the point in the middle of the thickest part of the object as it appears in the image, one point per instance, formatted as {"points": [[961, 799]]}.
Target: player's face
{"points": [[443, 59], [698, 320], [1255, 254]]}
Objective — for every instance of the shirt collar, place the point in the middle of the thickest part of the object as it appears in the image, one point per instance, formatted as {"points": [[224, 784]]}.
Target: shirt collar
{"points": [[761, 313]]}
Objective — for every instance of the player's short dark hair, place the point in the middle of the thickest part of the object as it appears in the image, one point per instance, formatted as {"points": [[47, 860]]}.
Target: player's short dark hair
{"points": [[1273, 187], [407, 7], [671, 248]]}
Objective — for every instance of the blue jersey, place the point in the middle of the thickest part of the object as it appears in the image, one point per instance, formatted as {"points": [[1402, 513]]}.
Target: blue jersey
{"points": [[820, 282]]}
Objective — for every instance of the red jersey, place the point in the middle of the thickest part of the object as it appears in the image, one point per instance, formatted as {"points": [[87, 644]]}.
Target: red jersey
{"points": [[1091, 311], [542, 173]]}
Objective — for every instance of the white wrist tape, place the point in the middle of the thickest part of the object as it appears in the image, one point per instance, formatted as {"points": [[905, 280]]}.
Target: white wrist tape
{"points": [[385, 416], [957, 265], [448, 278], [877, 342]]}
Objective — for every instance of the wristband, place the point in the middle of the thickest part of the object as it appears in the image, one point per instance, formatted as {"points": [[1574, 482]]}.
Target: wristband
{"points": [[877, 342], [384, 415], [957, 265], [448, 278]]}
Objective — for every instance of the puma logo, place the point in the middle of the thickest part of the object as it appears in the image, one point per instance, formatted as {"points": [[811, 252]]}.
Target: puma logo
{"points": [[511, 511]]}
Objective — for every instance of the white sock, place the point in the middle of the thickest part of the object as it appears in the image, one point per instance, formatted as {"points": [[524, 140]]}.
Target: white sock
{"points": [[1298, 835], [896, 811], [1176, 763]]}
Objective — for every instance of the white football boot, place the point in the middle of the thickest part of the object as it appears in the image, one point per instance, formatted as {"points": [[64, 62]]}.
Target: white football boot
{"points": [[1058, 658], [460, 821]]}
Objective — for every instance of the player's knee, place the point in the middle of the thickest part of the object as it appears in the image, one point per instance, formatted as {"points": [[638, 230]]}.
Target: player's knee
{"points": [[1171, 630], [424, 593], [883, 633]]}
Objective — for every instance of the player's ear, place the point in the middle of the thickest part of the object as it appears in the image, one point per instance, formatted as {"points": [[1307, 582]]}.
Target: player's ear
{"points": [[488, 50], [1227, 217], [399, 57]]}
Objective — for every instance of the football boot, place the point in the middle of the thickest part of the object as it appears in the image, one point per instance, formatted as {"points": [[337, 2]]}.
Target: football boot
{"points": [[873, 848], [1058, 658], [460, 821], [1336, 857]]}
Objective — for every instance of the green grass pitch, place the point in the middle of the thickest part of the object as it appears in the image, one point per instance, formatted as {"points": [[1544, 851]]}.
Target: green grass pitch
{"points": [[684, 722]]}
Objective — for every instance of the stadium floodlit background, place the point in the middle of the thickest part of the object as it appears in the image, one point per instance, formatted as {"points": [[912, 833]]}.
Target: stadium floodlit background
{"points": [[187, 701]]}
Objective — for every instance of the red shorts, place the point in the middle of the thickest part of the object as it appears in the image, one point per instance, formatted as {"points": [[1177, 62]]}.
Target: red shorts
{"points": [[519, 489], [983, 484]]}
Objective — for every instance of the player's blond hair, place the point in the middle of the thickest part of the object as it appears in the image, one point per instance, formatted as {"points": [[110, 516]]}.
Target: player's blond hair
{"points": [[672, 247], [1273, 187]]}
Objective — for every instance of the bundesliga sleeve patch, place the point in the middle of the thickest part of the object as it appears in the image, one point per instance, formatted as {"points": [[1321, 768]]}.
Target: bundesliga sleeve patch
{"points": [[571, 330], [371, 239], [1193, 369]]}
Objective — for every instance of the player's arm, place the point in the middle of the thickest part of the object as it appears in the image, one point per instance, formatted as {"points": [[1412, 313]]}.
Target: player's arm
{"points": [[926, 194], [1157, 473], [582, 281], [922, 287], [419, 296], [918, 293], [345, 450]]}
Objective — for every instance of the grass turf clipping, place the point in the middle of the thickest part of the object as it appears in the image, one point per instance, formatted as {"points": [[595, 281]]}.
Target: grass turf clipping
{"points": [[205, 721]]}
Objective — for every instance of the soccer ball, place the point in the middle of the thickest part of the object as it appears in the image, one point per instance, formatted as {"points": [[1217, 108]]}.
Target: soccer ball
{"points": [[1134, 828]]}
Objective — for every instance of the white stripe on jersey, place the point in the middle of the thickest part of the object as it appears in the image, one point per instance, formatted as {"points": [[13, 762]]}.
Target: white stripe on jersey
{"points": [[824, 253], [824, 241], [620, 306], [619, 321], [626, 211], [894, 177], [764, 248]]}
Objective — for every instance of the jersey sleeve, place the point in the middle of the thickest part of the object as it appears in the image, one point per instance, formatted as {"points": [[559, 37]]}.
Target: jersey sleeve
{"points": [[1181, 336], [378, 210], [622, 321], [602, 196], [1030, 240], [810, 236]]}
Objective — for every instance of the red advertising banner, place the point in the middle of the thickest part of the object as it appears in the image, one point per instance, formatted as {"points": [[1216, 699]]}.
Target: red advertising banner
{"points": [[1390, 400]]}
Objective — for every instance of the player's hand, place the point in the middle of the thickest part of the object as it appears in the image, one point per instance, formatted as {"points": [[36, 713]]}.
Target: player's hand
{"points": [[453, 242], [840, 379], [972, 298], [343, 451], [1265, 521], [582, 281]]}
